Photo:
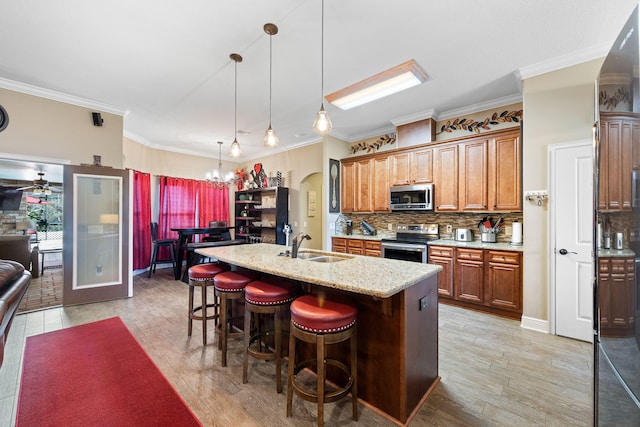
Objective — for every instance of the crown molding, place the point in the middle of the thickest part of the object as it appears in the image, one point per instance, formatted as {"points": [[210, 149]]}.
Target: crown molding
{"points": [[564, 61], [60, 97], [482, 106], [414, 117], [370, 134]]}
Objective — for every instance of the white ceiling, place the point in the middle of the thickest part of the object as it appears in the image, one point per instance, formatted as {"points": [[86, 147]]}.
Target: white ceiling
{"points": [[165, 64]]}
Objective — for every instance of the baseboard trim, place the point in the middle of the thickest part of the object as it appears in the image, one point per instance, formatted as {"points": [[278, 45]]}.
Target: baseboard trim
{"points": [[535, 324]]}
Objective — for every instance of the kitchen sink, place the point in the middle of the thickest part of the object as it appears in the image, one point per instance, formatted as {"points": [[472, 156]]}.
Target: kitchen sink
{"points": [[321, 256], [327, 258]]}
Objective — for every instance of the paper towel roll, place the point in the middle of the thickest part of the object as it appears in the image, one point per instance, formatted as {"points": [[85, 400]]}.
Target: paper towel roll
{"points": [[516, 233]]}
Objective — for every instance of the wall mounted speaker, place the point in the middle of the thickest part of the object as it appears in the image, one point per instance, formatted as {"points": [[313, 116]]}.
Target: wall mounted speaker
{"points": [[97, 119]]}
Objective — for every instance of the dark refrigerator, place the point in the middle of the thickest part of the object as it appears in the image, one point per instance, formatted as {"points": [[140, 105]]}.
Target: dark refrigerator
{"points": [[617, 233]]}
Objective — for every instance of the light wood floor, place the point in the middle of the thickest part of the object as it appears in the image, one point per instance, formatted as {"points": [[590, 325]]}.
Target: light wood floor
{"points": [[494, 373]]}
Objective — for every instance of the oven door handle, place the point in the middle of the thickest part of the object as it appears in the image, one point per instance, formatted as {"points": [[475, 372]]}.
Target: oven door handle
{"points": [[405, 247]]}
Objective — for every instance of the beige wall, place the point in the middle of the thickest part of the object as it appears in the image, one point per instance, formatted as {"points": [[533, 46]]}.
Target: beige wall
{"points": [[295, 165], [337, 149], [558, 108], [59, 132]]}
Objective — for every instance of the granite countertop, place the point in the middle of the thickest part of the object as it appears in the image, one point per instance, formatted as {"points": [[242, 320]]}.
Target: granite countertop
{"points": [[358, 235], [477, 244], [613, 253], [378, 277]]}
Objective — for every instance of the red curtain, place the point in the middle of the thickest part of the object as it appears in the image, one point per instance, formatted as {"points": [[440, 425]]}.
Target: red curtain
{"points": [[213, 203], [177, 205], [141, 219]]}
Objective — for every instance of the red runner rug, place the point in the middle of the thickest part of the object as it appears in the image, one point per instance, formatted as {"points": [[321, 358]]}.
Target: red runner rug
{"points": [[95, 375]]}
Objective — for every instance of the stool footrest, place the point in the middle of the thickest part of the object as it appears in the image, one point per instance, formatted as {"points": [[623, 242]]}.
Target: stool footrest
{"points": [[330, 396]]}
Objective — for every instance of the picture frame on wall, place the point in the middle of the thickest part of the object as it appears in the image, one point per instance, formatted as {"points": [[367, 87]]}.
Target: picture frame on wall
{"points": [[334, 186]]}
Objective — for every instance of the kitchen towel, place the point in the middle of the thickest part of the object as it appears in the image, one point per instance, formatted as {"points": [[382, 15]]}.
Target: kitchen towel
{"points": [[516, 233]]}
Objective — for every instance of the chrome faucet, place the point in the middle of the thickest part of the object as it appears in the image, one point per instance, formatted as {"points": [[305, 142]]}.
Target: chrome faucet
{"points": [[297, 242]]}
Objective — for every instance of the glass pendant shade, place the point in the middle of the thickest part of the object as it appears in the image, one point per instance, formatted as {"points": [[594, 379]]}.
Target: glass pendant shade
{"points": [[322, 124], [270, 138], [235, 149]]}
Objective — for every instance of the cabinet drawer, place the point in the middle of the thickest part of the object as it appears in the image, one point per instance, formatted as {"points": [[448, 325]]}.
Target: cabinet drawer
{"points": [[339, 241], [372, 245], [618, 266], [503, 257], [441, 251], [356, 243], [472, 254]]}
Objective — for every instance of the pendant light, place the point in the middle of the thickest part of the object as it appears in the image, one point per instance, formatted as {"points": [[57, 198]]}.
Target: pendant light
{"points": [[270, 138], [322, 123], [235, 146]]}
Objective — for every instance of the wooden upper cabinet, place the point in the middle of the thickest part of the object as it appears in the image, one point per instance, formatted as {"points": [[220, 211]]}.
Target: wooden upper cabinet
{"points": [[473, 175], [446, 178], [380, 199], [505, 173], [617, 160], [411, 167], [348, 187], [364, 187]]}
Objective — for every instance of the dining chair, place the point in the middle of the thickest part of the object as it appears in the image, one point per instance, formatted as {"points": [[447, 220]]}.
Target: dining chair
{"points": [[158, 243]]}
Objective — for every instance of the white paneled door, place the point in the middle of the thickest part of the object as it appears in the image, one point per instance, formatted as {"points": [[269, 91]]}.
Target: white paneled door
{"points": [[572, 211]]}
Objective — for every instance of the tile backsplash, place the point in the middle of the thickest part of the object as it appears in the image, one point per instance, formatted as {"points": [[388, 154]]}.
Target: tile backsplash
{"points": [[381, 222]]}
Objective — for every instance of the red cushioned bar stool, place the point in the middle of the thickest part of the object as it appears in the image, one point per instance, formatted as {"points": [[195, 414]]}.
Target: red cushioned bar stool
{"points": [[201, 276], [229, 286], [322, 322], [269, 296]]}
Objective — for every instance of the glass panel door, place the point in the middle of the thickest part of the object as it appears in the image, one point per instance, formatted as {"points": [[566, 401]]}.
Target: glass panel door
{"points": [[96, 230]]}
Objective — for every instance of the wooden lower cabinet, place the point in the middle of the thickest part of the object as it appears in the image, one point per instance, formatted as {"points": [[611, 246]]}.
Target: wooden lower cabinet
{"points": [[468, 276], [355, 246], [443, 256], [339, 244], [616, 296], [484, 279], [503, 286]]}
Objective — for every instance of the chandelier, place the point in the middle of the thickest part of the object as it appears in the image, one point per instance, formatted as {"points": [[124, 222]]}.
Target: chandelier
{"points": [[218, 177]]}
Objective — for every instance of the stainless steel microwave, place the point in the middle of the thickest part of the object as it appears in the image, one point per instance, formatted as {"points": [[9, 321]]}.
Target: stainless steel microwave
{"points": [[411, 198]]}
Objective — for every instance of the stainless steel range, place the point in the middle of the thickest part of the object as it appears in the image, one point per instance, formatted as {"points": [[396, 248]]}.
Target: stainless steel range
{"points": [[410, 243]]}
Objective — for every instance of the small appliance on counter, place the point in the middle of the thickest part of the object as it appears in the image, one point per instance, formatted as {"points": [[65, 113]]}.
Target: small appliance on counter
{"points": [[349, 227], [367, 229], [619, 243], [464, 235]]}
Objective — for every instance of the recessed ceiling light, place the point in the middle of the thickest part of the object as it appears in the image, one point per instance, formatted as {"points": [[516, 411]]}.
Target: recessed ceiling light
{"points": [[243, 132], [396, 79]]}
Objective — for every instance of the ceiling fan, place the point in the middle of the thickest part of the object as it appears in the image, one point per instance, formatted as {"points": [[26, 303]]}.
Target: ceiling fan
{"points": [[41, 186]]}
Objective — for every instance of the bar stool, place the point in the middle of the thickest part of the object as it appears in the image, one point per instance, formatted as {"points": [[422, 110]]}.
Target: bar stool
{"points": [[322, 322], [158, 243], [269, 296], [229, 286], [201, 276]]}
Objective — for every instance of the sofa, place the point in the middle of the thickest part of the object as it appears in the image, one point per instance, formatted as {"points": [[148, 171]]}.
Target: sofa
{"points": [[17, 247], [14, 281]]}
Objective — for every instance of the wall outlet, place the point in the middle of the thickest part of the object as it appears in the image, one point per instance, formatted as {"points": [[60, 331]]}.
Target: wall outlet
{"points": [[508, 230], [390, 227], [449, 228], [423, 303], [99, 271]]}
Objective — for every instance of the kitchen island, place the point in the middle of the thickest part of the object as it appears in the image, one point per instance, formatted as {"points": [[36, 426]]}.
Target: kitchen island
{"points": [[397, 305]]}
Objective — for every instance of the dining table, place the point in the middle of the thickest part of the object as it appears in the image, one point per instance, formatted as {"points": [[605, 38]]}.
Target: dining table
{"points": [[185, 236]]}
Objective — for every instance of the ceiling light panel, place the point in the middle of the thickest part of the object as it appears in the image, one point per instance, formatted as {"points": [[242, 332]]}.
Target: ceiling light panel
{"points": [[393, 80]]}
